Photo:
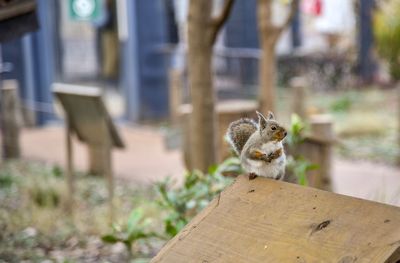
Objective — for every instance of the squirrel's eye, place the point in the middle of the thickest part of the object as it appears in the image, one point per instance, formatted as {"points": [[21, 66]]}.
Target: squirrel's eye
{"points": [[273, 128]]}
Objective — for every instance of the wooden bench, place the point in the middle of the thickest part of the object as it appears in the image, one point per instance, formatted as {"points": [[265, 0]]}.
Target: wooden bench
{"points": [[271, 221]]}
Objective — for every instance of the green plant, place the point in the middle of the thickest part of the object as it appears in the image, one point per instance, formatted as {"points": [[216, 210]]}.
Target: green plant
{"points": [[300, 167], [44, 191], [133, 231], [197, 190], [387, 34], [297, 164], [342, 104], [296, 131], [44, 197], [6, 179]]}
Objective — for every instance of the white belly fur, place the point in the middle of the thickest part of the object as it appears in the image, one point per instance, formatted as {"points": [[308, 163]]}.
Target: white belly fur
{"points": [[269, 170]]}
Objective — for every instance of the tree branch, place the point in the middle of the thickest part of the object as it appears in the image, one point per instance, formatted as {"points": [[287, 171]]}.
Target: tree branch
{"points": [[294, 6], [220, 20]]}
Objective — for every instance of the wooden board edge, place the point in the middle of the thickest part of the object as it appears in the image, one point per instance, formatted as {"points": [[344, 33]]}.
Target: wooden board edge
{"points": [[191, 225]]}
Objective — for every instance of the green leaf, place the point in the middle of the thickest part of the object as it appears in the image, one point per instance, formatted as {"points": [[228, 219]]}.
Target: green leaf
{"points": [[312, 166], [190, 180], [191, 204], [181, 224], [110, 239], [303, 180], [136, 235], [116, 227], [170, 229], [212, 169], [134, 218]]}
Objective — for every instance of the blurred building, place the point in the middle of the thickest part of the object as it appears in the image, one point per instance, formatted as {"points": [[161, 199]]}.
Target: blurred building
{"points": [[126, 47], [111, 44]]}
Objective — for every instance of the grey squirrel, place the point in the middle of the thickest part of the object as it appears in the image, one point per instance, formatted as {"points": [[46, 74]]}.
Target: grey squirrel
{"points": [[259, 146]]}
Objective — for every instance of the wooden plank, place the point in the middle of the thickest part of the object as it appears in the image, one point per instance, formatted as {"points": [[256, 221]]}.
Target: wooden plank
{"points": [[263, 220]]}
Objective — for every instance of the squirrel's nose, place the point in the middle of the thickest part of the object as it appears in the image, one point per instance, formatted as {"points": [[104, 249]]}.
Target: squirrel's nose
{"points": [[285, 133]]}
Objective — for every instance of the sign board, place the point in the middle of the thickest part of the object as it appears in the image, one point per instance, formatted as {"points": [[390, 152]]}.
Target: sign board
{"points": [[89, 118], [87, 10]]}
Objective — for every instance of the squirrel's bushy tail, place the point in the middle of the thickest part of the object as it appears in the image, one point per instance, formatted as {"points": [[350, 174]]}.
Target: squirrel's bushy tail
{"points": [[239, 132]]}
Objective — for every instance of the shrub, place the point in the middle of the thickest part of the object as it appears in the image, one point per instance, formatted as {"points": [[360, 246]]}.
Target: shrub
{"points": [[387, 34], [297, 165], [135, 230], [182, 203]]}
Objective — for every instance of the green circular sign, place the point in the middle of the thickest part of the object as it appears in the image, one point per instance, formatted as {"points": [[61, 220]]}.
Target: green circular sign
{"points": [[84, 8]]}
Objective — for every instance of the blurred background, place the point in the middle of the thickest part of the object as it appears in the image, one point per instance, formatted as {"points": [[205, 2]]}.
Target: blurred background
{"points": [[329, 70]]}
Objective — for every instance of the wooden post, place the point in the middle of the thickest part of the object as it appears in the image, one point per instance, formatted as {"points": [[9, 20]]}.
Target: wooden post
{"points": [[109, 178], [97, 154], [70, 166], [175, 94], [10, 124], [298, 85], [100, 164], [322, 133]]}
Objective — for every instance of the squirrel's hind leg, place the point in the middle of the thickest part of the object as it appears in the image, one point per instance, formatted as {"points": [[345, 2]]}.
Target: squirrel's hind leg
{"points": [[252, 176]]}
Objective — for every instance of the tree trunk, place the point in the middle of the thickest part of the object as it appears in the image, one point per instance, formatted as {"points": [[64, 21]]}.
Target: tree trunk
{"points": [[268, 35], [267, 77], [203, 117]]}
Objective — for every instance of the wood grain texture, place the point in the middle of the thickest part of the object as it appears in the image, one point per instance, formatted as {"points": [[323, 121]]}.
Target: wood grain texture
{"points": [[272, 221]]}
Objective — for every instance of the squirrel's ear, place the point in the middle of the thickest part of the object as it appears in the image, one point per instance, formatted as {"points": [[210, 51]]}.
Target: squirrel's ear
{"points": [[262, 121], [271, 116]]}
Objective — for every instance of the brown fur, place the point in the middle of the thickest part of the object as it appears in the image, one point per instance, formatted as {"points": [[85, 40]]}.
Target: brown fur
{"points": [[239, 132]]}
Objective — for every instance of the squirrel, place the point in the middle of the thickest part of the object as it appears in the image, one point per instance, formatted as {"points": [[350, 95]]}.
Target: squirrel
{"points": [[259, 146]]}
